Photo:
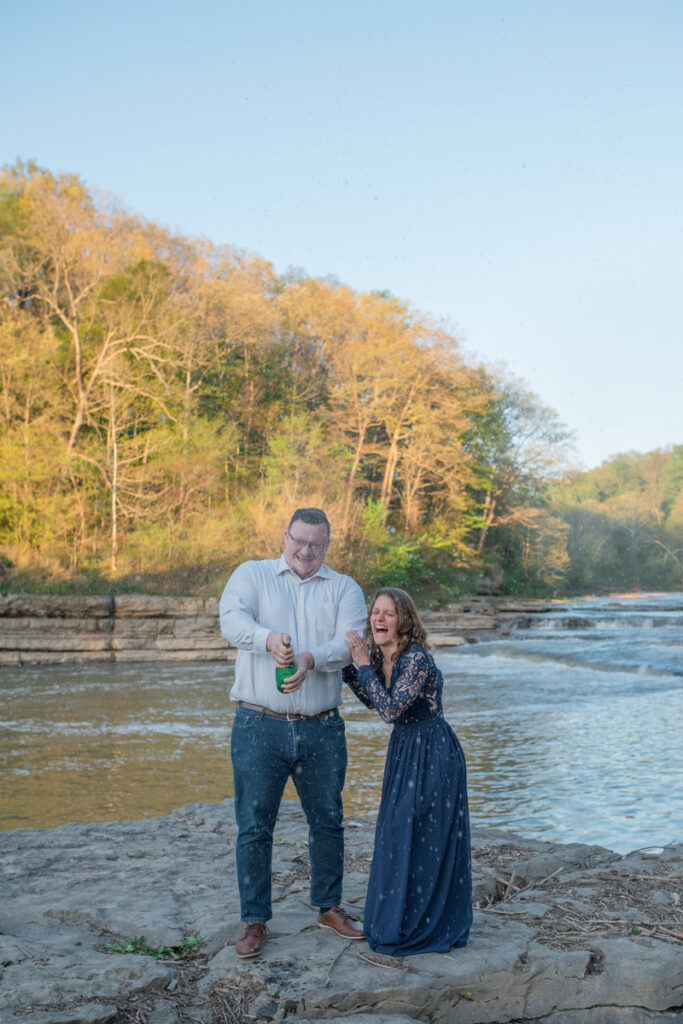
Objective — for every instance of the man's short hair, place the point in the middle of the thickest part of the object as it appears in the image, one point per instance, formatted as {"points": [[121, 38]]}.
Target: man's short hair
{"points": [[312, 516]]}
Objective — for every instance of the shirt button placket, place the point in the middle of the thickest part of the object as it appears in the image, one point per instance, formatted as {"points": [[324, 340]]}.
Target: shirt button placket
{"points": [[301, 616]]}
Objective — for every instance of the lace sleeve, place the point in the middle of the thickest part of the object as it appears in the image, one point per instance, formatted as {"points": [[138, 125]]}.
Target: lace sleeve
{"points": [[407, 683], [350, 677]]}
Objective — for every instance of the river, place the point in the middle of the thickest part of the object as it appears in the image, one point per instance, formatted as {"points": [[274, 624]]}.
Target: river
{"points": [[571, 724]]}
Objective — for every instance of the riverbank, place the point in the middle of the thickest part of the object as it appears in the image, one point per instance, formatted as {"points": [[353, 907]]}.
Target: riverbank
{"points": [[53, 629], [563, 934]]}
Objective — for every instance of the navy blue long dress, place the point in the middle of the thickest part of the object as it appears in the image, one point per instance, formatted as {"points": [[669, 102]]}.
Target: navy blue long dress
{"points": [[419, 896]]}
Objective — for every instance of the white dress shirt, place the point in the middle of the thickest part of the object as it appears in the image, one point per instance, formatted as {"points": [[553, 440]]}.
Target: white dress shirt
{"points": [[316, 612]]}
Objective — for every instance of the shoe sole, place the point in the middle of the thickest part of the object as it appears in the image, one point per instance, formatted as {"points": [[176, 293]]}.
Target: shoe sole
{"points": [[354, 938], [245, 956]]}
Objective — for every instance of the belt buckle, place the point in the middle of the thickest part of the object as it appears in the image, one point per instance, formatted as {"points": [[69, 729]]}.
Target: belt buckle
{"points": [[291, 718]]}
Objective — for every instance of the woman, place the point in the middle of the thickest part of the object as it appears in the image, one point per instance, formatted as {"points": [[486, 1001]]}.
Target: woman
{"points": [[420, 890]]}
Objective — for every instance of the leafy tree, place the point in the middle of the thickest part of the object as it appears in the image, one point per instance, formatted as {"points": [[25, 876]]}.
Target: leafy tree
{"points": [[522, 444], [164, 402], [672, 484]]}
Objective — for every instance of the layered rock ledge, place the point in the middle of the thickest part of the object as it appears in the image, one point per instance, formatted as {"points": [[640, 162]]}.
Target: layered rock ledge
{"points": [[52, 628], [563, 934]]}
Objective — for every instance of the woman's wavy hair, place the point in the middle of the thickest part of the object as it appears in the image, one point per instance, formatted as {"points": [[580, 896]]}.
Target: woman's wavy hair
{"points": [[410, 627]]}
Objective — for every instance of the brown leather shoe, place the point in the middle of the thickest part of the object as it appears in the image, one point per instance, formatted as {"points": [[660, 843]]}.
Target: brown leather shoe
{"points": [[341, 922], [252, 939]]}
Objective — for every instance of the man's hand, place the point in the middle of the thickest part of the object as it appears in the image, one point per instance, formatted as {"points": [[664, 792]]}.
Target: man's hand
{"points": [[282, 652], [304, 662]]}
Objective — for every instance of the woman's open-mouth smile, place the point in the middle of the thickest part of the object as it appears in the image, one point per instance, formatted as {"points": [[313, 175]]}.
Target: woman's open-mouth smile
{"points": [[380, 633]]}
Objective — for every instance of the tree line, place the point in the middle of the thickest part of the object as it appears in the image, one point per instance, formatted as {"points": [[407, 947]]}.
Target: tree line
{"points": [[165, 402], [625, 523]]}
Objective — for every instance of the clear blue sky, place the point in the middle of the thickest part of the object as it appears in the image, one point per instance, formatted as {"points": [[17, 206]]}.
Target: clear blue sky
{"points": [[512, 166]]}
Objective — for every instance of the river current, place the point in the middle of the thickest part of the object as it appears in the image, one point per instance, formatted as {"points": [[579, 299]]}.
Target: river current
{"points": [[571, 723]]}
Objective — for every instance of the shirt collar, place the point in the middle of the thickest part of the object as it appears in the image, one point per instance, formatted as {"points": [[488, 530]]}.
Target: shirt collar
{"points": [[282, 566]]}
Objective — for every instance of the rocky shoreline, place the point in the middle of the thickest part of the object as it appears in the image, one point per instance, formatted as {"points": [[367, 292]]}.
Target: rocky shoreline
{"points": [[52, 628], [563, 934]]}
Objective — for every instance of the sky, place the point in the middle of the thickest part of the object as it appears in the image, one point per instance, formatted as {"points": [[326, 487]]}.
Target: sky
{"points": [[511, 167]]}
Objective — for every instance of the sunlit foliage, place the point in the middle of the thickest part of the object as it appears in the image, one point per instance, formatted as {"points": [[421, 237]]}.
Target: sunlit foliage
{"points": [[165, 403]]}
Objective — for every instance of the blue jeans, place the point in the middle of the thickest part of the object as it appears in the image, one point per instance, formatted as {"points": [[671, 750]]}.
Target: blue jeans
{"points": [[265, 752]]}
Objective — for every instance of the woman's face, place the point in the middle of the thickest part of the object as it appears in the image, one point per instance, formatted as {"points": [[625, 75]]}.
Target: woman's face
{"points": [[384, 621]]}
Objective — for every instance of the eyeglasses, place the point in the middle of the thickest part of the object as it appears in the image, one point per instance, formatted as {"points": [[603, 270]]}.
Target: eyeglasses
{"points": [[317, 549]]}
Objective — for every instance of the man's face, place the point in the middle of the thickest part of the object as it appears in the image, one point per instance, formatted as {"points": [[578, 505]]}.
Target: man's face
{"points": [[305, 547]]}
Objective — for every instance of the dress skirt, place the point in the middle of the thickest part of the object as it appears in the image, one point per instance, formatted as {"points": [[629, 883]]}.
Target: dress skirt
{"points": [[419, 896]]}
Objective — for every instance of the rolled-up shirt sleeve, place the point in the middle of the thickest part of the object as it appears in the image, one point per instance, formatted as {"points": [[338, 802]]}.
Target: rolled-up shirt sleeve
{"points": [[333, 655], [238, 609]]}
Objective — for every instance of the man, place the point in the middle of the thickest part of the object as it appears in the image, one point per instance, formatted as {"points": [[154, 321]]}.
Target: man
{"points": [[295, 733]]}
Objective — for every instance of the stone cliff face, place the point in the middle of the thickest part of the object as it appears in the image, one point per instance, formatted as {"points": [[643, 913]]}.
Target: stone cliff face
{"points": [[53, 628], [130, 627]]}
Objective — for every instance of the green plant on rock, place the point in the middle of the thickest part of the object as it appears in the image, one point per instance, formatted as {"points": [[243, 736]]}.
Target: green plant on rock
{"points": [[190, 947]]}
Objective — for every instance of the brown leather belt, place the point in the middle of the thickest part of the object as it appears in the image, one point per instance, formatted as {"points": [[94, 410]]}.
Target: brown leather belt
{"points": [[280, 714]]}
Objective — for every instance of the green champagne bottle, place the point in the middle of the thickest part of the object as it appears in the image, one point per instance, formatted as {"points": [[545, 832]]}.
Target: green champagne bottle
{"points": [[283, 673]]}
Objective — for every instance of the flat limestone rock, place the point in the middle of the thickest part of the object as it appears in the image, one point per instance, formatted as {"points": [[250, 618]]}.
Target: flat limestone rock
{"points": [[54, 628], [84, 1013], [568, 934], [56, 605], [156, 606], [153, 627]]}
